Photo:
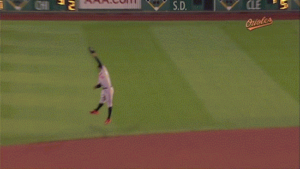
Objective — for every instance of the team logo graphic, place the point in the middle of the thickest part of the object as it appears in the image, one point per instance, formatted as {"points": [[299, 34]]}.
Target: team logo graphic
{"points": [[252, 24], [18, 4], [229, 4], [156, 4]]}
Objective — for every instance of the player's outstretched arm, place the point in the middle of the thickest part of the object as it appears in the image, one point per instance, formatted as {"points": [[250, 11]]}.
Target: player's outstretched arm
{"points": [[94, 54]]}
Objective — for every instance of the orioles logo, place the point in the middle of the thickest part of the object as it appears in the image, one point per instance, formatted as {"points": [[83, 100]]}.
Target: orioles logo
{"points": [[156, 4], [229, 4], [18, 4], [258, 23]]}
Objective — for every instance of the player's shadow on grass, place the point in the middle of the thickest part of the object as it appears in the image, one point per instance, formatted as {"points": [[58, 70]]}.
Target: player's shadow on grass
{"points": [[99, 129], [108, 132]]}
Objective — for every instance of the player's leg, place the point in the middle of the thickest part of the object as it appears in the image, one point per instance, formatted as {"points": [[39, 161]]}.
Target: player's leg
{"points": [[99, 106], [101, 102], [96, 110], [110, 93], [108, 120]]}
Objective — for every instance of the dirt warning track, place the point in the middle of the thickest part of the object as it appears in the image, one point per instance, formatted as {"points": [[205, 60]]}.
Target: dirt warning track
{"points": [[257, 148]]}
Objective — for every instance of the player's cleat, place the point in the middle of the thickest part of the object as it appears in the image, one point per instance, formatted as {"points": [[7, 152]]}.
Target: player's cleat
{"points": [[94, 112], [107, 121]]}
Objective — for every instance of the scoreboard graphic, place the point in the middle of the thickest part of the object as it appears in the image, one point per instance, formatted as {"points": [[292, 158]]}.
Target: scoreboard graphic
{"points": [[38, 5], [253, 5]]}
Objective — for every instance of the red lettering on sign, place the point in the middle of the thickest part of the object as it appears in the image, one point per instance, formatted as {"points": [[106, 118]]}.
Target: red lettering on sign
{"points": [[90, 1], [110, 1]]}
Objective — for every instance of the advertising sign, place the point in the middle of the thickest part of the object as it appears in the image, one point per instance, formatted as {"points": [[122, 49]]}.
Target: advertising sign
{"points": [[110, 4]]}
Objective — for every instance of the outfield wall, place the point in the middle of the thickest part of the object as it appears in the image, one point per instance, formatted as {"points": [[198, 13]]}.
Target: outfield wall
{"points": [[150, 5], [148, 9], [160, 16]]}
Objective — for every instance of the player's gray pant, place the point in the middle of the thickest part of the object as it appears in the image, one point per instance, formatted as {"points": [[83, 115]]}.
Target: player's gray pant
{"points": [[107, 96]]}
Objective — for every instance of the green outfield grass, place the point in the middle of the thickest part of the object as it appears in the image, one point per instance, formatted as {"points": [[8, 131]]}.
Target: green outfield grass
{"points": [[167, 76]]}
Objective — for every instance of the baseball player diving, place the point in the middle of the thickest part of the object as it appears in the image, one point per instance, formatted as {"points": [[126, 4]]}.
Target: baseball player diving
{"points": [[107, 89]]}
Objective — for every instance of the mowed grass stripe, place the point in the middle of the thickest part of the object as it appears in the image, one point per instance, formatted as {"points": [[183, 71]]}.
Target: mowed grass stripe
{"points": [[150, 94], [275, 49], [235, 90], [154, 92], [43, 77]]}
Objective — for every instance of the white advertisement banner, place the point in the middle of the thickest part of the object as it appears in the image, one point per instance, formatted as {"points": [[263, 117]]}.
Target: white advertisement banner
{"points": [[110, 4]]}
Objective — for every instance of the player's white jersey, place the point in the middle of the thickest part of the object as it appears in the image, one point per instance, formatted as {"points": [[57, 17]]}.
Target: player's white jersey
{"points": [[104, 78]]}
